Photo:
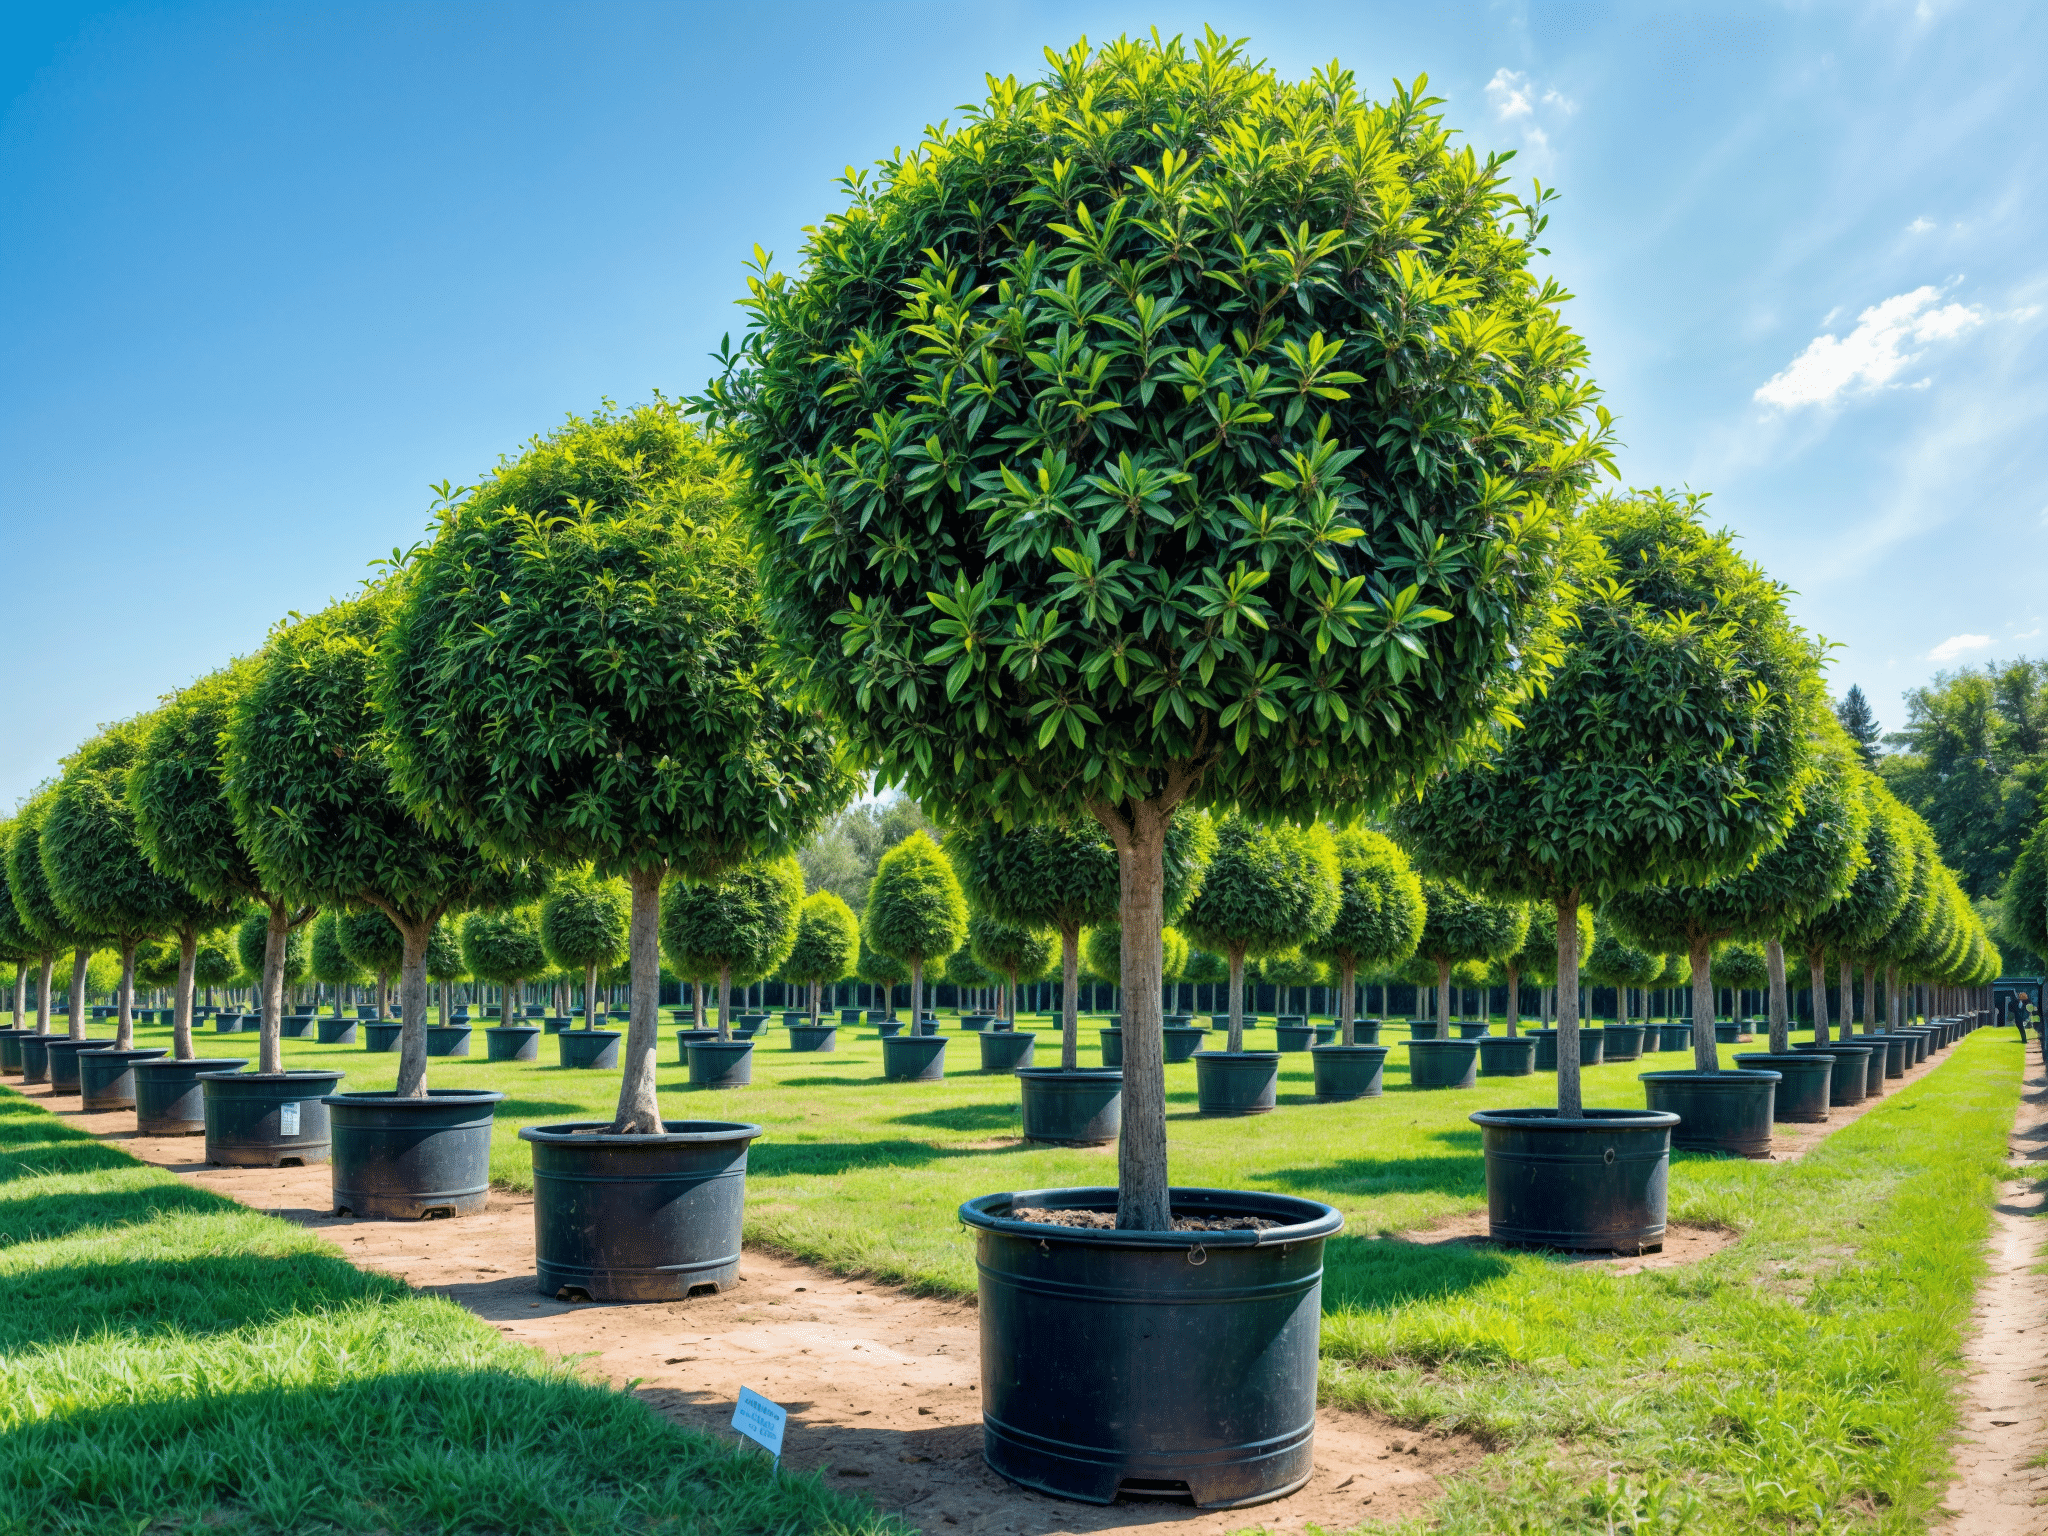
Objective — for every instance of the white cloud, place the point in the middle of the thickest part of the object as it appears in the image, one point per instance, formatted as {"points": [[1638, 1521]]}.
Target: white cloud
{"points": [[1867, 359], [1919, 226], [1517, 99], [2027, 634], [1956, 645]]}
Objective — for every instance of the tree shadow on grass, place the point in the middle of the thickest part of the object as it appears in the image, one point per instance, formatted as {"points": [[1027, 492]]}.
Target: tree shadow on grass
{"points": [[967, 1117], [830, 1157], [1460, 1175], [1377, 1274], [533, 1109]]}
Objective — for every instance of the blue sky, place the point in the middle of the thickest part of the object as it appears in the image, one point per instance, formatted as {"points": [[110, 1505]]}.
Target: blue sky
{"points": [[271, 271]]}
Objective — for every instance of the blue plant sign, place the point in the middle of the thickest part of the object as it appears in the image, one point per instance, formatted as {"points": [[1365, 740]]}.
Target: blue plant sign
{"points": [[760, 1421]]}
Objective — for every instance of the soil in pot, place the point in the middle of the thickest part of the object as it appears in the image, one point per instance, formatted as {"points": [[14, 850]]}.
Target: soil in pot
{"points": [[1226, 1322], [513, 1042], [914, 1058], [1346, 1072], [400, 1159], [596, 1049], [1500, 1056], [716, 1063], [1803, 1078], [1728, 1111], [1081, 1108], [169, 1098], [1443, 1063], [1594, 1184], [106, 1079], [638, 1218], [267, 1119], [1237, 1082]]}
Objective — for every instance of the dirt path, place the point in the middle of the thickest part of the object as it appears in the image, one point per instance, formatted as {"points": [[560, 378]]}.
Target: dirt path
{"points": [[2005, 1414], [882, 1387]]}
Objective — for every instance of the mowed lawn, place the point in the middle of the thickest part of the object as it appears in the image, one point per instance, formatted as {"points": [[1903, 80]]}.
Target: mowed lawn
{"points": [[1800, 1379]]}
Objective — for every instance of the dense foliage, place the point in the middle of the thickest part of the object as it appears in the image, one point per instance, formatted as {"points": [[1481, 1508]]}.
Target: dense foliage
{"points": [[916, 910], [1269, 887], [737, 925], [1379, 915], [827, 944]]}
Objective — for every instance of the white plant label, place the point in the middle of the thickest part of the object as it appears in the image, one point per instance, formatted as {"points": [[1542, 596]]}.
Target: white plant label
{"points": [[760, 1420], [288, 1119]]}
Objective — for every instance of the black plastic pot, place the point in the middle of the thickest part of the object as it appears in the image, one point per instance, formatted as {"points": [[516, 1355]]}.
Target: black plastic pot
{"points": [[1728, 1111], [1502, 1056], [594, 1048], [1726, 1032], [382, 1035], [684, 1038], [977, 1023], [448, 1039], [1181, 1041], [1851, 1072], [1237, 1082], [1365, 1031], [555, 1023], [1474, 1031], [1112, 1047], [914, 1058], [1922, 1043], [1676, 1037], [63, 1053], [35, 1058], [1592, 1048], [1294, 1037], [10, 1051], [366, 1010], [716, 1063], [638, 1218], [1593, 1184], [1621, 1042], [1424, 1029], [169, 1098], [1006, 1050], [296, 1026], [1213, 1338], [231, 1023], [795, 1018], [882, 1016], [1443, 1063], [106, 1078], [513, 1042], [337, 1031], [888, 1031], [407, 1159], [1803, 1078], [1346, 1072], [1895, 1049], [267, 1119], [1081, 1108], [819, 1037]]}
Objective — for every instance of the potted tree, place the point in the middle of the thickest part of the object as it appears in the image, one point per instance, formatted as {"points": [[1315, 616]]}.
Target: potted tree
{"points": [[585, 926], [504, 948], [1379, 920], [579, 675], [1008, 951], [446, 966], [1173, 584], [885, 973], [915, 912], [332, 965], [1268, 888], [1614, 962], [1671, 747], [1459, 927], [739, 924], [1103, 948], [33, 952], [46, 1058], [827, 944]]}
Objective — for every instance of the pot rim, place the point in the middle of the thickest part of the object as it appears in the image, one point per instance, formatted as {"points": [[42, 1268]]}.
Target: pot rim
{"points": [[1319, 1221], [224, 1063], [434, 1096], [1535, 1117], [577, 1133], [513, 1029], [1236, 1056], [1432, 1044], [1089, 1073], [1833, 1045], [1738, 1075], [1788, 1057], [300, 1075], [131, 1050], [594, 1034], [1356, 1045], [746, 1044]]}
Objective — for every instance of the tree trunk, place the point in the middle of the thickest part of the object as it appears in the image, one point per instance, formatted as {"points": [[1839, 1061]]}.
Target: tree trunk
{"points": [[1868, 1003], [124, 1025], [639, 1106], [270, 1021], [1346, 987], [1781, 1015], [1514, 1000], [1706, 1052], [20, 993], [43, 995], [80, 959], [590, 997], [725, 1002], [1846, 1001], [1571, 1104], [1894, 1003], [1234, 1039], [1443, 996], [413, 995], [1138, 829], [1070, 999]]}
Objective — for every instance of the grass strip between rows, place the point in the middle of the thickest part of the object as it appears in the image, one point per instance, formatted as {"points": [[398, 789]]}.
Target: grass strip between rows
{"points": [[173, 1361]]}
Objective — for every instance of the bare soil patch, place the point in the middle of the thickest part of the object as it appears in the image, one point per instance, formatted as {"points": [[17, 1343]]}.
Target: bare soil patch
{"points": [[2005, 1408], [882, 1387]]}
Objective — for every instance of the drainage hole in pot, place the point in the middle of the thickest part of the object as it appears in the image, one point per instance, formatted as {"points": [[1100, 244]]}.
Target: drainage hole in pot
{"points": [[1158, 1489], [291, 1162], [572, 1293], [437, 1213], [710, 1288]]}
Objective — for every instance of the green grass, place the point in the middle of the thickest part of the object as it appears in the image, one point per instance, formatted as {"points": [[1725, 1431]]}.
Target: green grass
{"points": [[1800, 1380], [172, 1361]]}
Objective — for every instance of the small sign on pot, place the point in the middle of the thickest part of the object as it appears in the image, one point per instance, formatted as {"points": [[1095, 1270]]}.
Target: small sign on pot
{"points": [[760, 1421], [288, 1119]]}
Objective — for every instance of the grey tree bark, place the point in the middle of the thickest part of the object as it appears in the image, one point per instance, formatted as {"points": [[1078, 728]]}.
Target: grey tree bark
{"points": [[1706, 1053], [20, 994], [1070, 999], [1847, 1001], [1868, 1002], [270, 1026], [181, 1008], [1347, 985], [1514, 999], [80, 959], [639, 1106], [1571, 1104], [1234, 1039], [124, 1028], [414, 995], [1443, 996], [725, 1002], [1781, 1014]]}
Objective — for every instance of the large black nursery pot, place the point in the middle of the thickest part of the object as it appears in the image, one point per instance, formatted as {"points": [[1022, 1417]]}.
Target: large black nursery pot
{"points": [[1676, 1037], [882, 1016], [1366, 1031], [914, 1058], [1081, 1108], [35, 1058], [1592, 1048], [366, 1010], [296, 1026], [169, 1098], [1006, 1050], [1803, 1081], [1112, 1046], [338, 1031], [1345, 1072], [1237, 1082], [1424, 1029], [975, 1023], [1851, 1071], [230, 1023], [63, 1055], [686, 1036], [513, 1042], [407, 1159], [1596, 1184], [1729, 1031], [1621, 1042], [1186, 1361], [889, 1030], [1502, 1056], [10, 1051], [448, 1039], [593, 1048], [106, 1078], [638, 1218], [1896, 1048], [1294, 1037], [1473, 1031], [1443, 1063], [555, 1023], [1181, 1041], [382, 1035], [717, 1063], [1922, 1042], [794, 1018], [849, 1018], [267, 1119], [1727, 1111], [814, 1037]]}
